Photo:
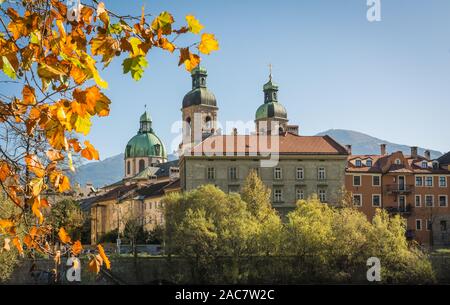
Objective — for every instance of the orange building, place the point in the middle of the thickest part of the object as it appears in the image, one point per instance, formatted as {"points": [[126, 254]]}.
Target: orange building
{"points": [[413, 186]]}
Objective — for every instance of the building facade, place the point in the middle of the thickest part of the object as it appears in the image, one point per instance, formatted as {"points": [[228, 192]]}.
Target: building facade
{"points": [[413, 186]]}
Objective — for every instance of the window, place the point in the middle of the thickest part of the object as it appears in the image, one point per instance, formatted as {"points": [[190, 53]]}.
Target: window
{"points": [[321, 173], [376, 181], [356, 180], [419, 181], [323, 195], [424, 164], [128, 167], [418, 224], [357, 200], [208, 124], [277, 174], [442, 200], [358, 163], [278, 195], [141, 165], [369, 163], [376, 200], [418, 202], [232, 173], [443, 224], [211, 173], [429, 200], [299, 194], [398, 162], [429, 181], [429, 224], [300, 173], [442, 181]]}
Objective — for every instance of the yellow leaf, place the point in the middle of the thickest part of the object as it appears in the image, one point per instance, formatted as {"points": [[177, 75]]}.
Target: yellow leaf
{"points": [[37, 184], [105, 259], [6, 224], [63, 236], [64, 184], [163, 23], [208, 44], [54, 155], [4, 171], [193, 24], [36, 209], [167, 45]]}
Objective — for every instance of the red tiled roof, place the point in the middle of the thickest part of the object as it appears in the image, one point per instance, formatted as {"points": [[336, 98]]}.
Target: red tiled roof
{"points": [[286, 143]]}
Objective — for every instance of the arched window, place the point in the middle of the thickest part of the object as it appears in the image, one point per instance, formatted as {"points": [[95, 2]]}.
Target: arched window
{"points": [[141, 165], [157, 149], [128, 168], [208, 124], [280, 130]]}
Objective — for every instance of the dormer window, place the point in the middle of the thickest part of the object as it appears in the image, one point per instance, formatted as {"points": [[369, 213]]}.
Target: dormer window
{"points": [[358, 163], [398, 162], [369, 163], [424, 164]]}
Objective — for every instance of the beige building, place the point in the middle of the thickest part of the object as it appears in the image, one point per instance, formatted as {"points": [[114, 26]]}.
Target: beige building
{"points": [[301, 166]]}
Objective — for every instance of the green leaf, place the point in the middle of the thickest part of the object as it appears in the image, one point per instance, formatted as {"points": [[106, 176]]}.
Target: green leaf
{"points": [[115, 28], [83, 124], [136, 66], [7, 68]]}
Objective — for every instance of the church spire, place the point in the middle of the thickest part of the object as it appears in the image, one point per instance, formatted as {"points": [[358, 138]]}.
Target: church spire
{"points": [[199, 75], [145, 122], [270, 89]]}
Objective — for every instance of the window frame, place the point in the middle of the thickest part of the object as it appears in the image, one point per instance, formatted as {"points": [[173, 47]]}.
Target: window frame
{"points": [[420, 201], [278, 170], [426, 181], [446, 201], [323, 193], [321, 174], [280, 199], [299, 191], [360, 200], [300, 170], [421, 179], [419, 222], [426, 202], [360, 180], [445, 181], [369, 163], [379, 180], [209, 170], [373, 202], [233, 173]]}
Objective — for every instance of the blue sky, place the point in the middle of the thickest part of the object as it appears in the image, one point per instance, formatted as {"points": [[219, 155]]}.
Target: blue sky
{"points": [[390, 79]]}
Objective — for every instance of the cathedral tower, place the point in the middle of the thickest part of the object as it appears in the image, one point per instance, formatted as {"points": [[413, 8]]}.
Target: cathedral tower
{"points": [[271, 117], [199, 110]]}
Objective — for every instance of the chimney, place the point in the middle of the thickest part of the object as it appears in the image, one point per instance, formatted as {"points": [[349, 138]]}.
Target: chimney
{"points": [[235, 132], [383, 149], [414, 150], [427, 155], [349, 149]]}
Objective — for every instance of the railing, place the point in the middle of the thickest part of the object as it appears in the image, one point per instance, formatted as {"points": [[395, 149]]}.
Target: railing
{"points": [[399, 188], [406, 209]]}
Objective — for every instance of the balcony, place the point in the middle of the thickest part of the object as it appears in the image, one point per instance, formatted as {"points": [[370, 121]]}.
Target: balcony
{"points": [[399, 188], [405, 210]]}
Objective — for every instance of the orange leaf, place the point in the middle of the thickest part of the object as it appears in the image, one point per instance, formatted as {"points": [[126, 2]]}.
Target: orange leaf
{"points": [[6, 224], [29, 97], [189, 60], [6, 244], [36, 209], [101, 251], [63, 236], [37, 184], [94, 265], [35, 165], [4, 171], [54, 155], [89, 152], [77, 248], [16, 242]]}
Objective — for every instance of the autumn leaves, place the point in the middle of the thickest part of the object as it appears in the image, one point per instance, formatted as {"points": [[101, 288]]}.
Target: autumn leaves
{"points": [[52, 54]]}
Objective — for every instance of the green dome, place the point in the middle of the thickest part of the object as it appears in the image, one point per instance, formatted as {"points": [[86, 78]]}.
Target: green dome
{"points": [[145, 145], [271, 110]]}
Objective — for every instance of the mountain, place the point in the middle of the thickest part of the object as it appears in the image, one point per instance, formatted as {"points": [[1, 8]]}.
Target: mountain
{"points": [[363, 144], [104, 172], [111, 170]]}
